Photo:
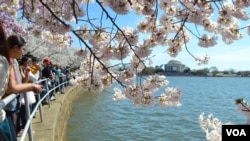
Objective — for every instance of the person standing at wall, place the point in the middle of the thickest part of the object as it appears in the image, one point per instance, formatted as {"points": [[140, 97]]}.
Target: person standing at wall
{"points": [[15, 46], [35, 70], [5, 132], [47, 72], [25, 68]]}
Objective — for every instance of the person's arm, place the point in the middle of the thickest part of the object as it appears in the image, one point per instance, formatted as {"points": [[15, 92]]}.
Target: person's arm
{"points": [[38, 66], [21, 72], [25, 74], [20, 88]]}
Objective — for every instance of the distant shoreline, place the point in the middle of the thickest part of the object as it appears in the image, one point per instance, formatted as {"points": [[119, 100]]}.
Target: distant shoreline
{"points": [[188, 74]]}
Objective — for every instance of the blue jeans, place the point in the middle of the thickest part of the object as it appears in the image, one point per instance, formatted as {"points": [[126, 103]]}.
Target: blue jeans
{"points": [[44, 91]]}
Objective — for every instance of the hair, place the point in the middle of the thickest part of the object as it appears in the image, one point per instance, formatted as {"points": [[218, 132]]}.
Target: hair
{"points": [[3, 49], [2, 34], [15, 40], [35, 59], [25, 58]]}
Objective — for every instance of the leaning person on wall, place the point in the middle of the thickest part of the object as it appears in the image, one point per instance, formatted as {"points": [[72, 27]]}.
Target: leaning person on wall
{"points": [[47, 73], [5, 132], [25, 68], [15, 45], [4, 75], [13, 48]]}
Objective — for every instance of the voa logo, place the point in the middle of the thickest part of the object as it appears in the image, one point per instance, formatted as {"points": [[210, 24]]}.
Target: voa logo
{"points": [[236, 132]]}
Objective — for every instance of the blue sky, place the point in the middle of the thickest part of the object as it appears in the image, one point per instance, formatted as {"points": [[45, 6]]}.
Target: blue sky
{"points": [[224, 57]]}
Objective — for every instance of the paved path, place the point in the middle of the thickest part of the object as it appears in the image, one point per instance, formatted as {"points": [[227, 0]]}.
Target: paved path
{"points": [[55, 117]]}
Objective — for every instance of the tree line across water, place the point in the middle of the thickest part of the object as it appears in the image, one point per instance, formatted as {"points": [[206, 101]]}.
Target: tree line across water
{"points": [[213, 71]]}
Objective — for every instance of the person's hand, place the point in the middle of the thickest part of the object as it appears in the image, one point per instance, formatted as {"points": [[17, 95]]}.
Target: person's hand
{"points": [[37, 88], [38, 65], [27, 69]]}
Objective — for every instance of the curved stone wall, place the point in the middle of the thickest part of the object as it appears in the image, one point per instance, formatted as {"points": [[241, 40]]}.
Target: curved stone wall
{"points": [[55, 117]]}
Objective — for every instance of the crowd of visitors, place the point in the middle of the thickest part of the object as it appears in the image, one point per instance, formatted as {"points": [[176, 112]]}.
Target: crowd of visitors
{"points": [[19, 72]]}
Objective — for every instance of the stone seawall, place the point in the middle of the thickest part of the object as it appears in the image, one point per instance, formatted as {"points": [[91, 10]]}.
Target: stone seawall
{"points": [[55, 117]]}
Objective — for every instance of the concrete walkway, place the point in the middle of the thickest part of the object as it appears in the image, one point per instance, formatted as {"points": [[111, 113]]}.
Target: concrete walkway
{"points": [[55, 117]]}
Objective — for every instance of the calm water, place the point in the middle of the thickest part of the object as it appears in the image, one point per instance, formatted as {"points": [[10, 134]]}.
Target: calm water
{"points": [[95, 117]]}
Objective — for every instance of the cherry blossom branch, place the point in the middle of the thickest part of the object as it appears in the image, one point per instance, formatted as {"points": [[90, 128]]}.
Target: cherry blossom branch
{"points": [[89, 20], [192, 32], [98, 59], [53, 14], [184, 21], [74, 11], [113, 22], [92, 53]]}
